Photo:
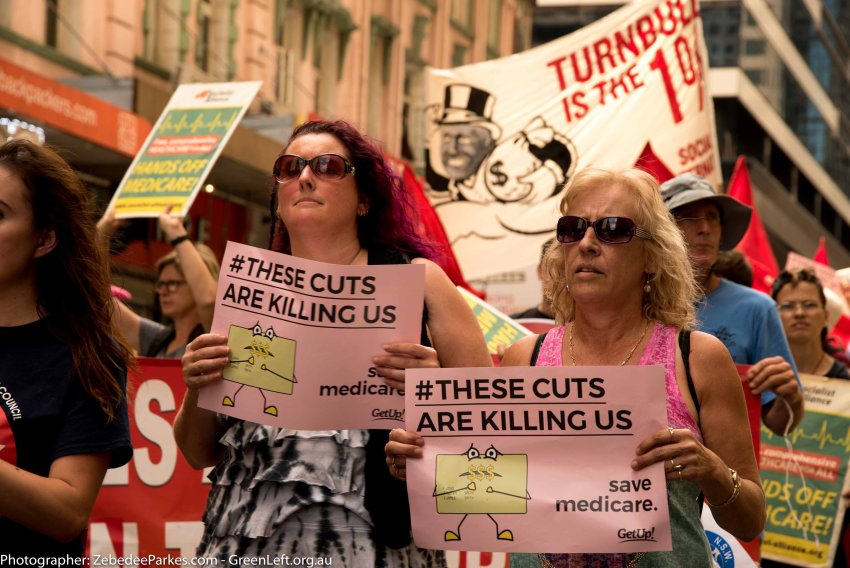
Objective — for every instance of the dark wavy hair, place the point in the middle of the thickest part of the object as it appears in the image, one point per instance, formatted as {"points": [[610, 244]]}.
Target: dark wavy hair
{"points": [[794, 277], [392, 217], [72, 280]]}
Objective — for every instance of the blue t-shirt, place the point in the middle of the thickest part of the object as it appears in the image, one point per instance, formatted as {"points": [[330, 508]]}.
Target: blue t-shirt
{"points": [[46, 414], [747, 323]]}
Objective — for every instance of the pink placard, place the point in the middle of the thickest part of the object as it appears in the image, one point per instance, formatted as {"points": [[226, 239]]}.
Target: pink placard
{"points": [[537, 459], [302, 335]]}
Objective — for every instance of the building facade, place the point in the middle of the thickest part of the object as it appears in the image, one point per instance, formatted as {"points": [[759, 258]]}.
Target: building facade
{"points": [[779, 80]]}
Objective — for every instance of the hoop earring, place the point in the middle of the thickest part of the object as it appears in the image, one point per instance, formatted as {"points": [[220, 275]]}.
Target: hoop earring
{"points": [[362, 210]]}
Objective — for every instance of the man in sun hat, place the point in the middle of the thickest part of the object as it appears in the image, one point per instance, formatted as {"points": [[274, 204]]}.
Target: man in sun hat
{"points": [[746, 321]]}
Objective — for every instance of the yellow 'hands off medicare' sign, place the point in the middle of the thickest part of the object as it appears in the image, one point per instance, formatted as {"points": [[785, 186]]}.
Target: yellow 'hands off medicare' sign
{"points": [[182, 148]]}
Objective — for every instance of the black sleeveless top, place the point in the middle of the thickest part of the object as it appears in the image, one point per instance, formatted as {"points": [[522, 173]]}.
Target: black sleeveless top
{"points": [[385, 496]]}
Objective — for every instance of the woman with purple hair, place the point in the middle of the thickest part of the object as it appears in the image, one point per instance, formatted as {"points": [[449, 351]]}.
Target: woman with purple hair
{"points": [[326, 493]]}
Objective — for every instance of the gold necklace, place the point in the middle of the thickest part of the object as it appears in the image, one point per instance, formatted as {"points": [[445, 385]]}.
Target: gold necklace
{"points": [[626, 360]]}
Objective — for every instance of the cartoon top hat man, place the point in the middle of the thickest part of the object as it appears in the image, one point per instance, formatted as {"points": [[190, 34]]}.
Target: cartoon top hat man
{"points": [[466, 132]]}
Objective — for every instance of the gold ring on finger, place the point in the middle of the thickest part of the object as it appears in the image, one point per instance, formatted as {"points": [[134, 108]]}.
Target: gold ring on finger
{"points": [[671, 434], [392, 463], [679, 471], [679, 468]]}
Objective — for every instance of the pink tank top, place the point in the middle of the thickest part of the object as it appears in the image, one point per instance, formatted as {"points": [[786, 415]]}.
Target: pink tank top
{"points": [[661, 350]]}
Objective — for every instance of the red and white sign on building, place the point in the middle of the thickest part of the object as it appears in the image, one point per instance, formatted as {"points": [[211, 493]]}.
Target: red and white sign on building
{"points": [[68, 109]]}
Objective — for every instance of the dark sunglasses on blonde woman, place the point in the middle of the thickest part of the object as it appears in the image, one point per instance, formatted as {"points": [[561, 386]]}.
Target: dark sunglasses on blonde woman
{"points": [[611, 230], [323, 166]]}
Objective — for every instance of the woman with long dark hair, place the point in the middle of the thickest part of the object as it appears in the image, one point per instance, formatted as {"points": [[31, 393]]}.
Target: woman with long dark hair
{"points": [[62, 372], [335, 199]]}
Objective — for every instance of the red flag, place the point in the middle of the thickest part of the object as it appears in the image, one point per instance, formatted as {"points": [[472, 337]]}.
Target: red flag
{"points": [[841, 332], [820, 254], [755, 245], [651, 164]]}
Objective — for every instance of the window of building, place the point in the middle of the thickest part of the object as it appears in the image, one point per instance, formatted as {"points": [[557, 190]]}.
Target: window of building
{"points": [[420, 26], [164, 34], [522, 25], [383, 34], [494, 29], [413, 116], [459, 54], [755, 75], [51, 23], [150, 29], [288, 30], [461, 16], [328, 70], [754, 47], [204, 33]]}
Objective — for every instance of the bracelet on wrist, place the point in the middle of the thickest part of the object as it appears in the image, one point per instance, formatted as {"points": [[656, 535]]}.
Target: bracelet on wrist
{"points": [[736, 490], [176, 241]]}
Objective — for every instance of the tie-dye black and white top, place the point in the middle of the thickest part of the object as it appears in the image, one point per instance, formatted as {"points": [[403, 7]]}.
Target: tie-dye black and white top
{"points": [[281, 492]]}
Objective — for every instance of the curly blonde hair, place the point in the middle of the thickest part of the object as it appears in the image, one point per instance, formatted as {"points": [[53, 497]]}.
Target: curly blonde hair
{"points": [[673, 288]]}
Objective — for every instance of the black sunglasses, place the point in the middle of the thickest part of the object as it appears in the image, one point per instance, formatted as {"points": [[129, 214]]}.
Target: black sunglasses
{"points": [[325, 166], [611, 230]]}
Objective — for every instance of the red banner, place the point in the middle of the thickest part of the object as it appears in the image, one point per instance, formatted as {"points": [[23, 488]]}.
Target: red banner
{"points": [[154, 504]]}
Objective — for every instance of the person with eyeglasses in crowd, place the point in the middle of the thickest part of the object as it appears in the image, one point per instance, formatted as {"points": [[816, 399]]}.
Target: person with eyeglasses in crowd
{"points": [[187, 278], [335, 199], [623, 294], [744, 319], [63, 370], [802, 306]]}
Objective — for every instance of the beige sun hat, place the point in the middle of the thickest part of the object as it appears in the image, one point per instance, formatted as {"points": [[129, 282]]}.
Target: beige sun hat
{"points": [[688, 188]]}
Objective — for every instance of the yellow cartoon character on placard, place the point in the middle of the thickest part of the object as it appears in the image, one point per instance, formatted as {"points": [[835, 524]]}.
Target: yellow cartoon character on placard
{"points": [[475, 483], [261, 359]]}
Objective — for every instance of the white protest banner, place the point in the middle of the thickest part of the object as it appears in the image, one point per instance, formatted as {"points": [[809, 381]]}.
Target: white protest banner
{"points": [[182, 148], [524, 459], [803, 477], [506, 134], [302, 335]]}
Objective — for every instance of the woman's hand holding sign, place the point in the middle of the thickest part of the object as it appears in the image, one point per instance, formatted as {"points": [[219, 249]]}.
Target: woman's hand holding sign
{"points": [[685, 458], [204, 360], [203, 363], [401, 356], [402, 445]]}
